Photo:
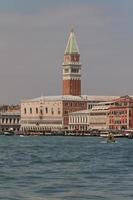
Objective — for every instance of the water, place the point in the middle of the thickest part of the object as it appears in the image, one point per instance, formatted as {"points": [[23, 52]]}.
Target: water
{"points": [[65, 168]]}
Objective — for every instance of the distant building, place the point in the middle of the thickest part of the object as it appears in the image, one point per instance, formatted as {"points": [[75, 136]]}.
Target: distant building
{"points": [[115, 115], [95, 118], [49, 113], [121, 113], [99, 117], [4, 108], [53, 113], [79, 121], [10, 118]]}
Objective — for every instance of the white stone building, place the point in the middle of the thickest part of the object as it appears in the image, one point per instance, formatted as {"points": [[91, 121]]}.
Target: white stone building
{"points": [[10, 120], [79, 121], [99, 117], [95, 118], [49, 113]]}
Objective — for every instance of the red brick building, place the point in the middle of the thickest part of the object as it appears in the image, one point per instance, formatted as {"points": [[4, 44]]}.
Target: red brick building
{"points": [[72, 106]]}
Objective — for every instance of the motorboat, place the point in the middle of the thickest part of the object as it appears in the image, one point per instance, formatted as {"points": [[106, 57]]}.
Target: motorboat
{"points": [[8, 133], [111, 138]]}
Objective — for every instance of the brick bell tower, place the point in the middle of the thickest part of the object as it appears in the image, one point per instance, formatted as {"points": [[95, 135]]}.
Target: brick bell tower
{"points": [[72, 68]]}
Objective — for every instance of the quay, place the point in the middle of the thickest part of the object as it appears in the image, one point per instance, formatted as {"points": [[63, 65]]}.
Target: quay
{"points": [[50, 133], [91, 133]]}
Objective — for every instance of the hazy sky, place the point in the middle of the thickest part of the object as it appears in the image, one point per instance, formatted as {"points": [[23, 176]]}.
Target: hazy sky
{"points": [[33, 37]]}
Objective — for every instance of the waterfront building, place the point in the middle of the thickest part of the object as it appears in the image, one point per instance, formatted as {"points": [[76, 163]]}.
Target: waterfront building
{"points": [[114, 115], [53, 113], [49, 113], [95, 118], [121, 113], [79, 121], [10, 120], [99, 117]]}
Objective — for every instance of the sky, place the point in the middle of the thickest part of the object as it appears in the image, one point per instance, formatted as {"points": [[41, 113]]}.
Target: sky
{"points": [[33, 38]]}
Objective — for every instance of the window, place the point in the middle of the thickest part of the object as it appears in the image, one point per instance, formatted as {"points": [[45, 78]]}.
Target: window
{"points": [[46, 109], [66, 70], [73, 70], [73, 119], [90, 106], [58, 111], [86, 119], [24, 110], [17, 120], [36, 110], [52, 111], [130, 113], [30, 110], [66, 111]]}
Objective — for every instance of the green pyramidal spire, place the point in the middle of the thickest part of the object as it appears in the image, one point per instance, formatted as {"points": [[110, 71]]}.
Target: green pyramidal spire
{"points": [[72, 47]]}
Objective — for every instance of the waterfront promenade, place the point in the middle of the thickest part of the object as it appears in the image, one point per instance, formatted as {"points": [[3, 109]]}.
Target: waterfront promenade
{"points": [[91, 133]]}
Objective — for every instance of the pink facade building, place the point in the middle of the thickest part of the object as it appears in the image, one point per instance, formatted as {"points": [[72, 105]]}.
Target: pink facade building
{"points": [[121, 113]]}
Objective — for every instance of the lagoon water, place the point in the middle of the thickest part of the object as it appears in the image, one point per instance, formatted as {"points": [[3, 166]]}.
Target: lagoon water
{"points": [[65, 168]]}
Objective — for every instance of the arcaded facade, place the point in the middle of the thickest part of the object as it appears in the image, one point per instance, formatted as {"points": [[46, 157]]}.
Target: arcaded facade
{"points": [[79, 121], [10, 120], [49, 113]]}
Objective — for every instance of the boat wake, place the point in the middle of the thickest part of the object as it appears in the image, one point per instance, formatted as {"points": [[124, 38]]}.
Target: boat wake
{"points": [[105, 142]]}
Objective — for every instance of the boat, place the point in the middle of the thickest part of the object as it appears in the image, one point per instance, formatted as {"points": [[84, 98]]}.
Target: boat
{"points": [[21, 135], [130, 136], [111, 138], [8, 133]]}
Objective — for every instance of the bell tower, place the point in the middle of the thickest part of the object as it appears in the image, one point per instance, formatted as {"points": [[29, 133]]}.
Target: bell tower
{"points": [[72, 68]]}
